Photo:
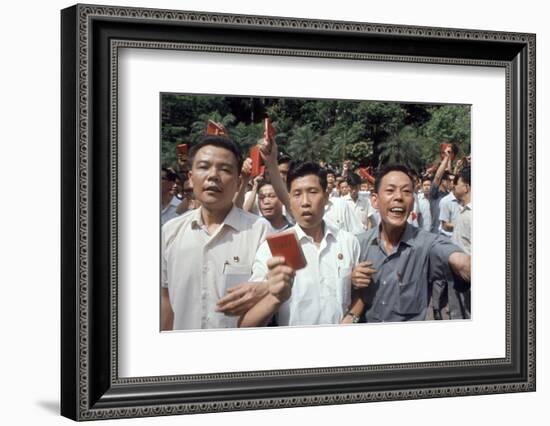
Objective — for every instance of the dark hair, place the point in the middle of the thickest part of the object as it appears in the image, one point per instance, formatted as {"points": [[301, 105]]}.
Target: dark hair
{"points": [[283, 158], [263, 183], [387, 169], [446, 175], [353, 179], [427, 178], [219, 141], [465, 175], [170, 175], [298, 170]]}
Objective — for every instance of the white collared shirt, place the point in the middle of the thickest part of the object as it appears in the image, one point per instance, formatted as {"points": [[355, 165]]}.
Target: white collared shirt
{"points": [[198, 268], [449, 208], [339, 213], [462, 235], [361, 208], [169, 212], [321, 292]]}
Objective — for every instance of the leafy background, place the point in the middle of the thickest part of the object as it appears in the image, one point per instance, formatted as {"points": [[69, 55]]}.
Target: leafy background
{"points": [[366, 132]]}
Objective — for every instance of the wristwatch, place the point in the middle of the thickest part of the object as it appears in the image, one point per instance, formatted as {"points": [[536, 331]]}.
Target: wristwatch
{"points": [[354, 318]]}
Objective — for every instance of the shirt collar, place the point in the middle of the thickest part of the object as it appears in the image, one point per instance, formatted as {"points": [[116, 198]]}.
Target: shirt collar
{"points": [[233, 219], [406, 238], [328, 231]]}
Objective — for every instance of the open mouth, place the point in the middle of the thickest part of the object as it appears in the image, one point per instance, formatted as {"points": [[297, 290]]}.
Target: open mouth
{"points": [[397, 211]]}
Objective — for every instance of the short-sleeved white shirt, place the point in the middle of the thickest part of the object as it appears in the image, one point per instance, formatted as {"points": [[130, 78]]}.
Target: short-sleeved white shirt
{"points": [[339, 214], [198, 268], [462, 235], [361, 208], [321, 292], [449, 208]]}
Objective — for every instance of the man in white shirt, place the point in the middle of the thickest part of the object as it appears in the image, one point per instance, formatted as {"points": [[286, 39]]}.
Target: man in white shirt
{"points": [[210, 250], [168, 201], [449, 208], [459, 294], [360, 205], [320, 293], [425, 218]]}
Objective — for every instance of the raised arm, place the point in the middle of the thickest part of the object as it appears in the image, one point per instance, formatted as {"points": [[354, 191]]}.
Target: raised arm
{"points": [[238, 199], [269, 152], [442, 167]]}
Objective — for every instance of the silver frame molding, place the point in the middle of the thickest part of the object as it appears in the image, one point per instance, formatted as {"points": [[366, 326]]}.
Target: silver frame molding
{"points": [[91, 39]]}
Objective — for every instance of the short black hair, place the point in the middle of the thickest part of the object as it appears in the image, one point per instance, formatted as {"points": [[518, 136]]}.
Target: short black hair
{"points": [[353, 179], [427, 178], [219, 141], [263, 183], [170, 174], [330, 172], [283, 158], [298, 170], [446, 175], [383, 171], [465, 175]]}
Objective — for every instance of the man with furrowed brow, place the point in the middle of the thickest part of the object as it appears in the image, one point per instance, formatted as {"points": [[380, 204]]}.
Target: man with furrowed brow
{"points": [[399, 261]]}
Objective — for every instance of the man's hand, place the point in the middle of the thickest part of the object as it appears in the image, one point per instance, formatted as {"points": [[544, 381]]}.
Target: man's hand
{"points": [[269, 152], [238, 300], [279, 279], [246, 168], [361, 276]]}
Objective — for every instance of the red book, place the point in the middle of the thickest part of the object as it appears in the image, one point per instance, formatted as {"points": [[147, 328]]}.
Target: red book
{"points": [[215, 129], [286, 244], [182, 149], [257, 161], [269, 130]]}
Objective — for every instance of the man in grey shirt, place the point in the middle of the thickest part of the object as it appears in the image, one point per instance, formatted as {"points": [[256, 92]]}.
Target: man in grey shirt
{"points": [[398, 261]]}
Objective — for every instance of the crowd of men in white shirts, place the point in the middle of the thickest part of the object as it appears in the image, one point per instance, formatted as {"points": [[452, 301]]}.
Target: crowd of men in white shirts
{"points": [[395, 249]]}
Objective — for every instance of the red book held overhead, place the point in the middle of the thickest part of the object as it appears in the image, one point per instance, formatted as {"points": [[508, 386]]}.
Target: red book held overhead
{"points": [[215, 129], [257, 161], [286, 244]]}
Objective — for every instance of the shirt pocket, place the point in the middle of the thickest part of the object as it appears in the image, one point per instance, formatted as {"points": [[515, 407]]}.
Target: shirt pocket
{"points": [[235, 275], [410, 301]]}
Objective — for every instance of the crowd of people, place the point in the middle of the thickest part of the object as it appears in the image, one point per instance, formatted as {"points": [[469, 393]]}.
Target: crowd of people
{"points": [[389, 245]]}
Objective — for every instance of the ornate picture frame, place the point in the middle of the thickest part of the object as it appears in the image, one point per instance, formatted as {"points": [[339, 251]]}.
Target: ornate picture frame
{"points": [[91, 386]]}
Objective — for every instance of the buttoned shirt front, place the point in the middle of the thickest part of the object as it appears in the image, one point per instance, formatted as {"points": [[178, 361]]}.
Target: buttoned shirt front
{"points": [[198, 268], [339, 214], [321, 292], [399, 288], [361, 208], [462, 235]]}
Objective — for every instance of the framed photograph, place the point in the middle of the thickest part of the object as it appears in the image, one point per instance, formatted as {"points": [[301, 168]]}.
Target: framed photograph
{"points": [[131, 77]]}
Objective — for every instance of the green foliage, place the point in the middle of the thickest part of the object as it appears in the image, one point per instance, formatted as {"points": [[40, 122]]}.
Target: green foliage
{"points": [[366, 132], [403, 148], [448, 123]]}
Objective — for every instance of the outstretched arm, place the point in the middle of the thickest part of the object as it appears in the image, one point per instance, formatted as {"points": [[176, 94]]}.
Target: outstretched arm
{"points": [[461, 265]]}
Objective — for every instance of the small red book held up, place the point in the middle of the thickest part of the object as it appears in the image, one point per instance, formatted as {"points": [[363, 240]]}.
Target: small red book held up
{"points": [[286, 244], [257, 162], [215, 129]]}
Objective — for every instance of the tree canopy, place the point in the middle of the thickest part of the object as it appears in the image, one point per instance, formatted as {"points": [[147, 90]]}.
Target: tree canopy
{"points": [[365, 132]]}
